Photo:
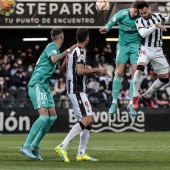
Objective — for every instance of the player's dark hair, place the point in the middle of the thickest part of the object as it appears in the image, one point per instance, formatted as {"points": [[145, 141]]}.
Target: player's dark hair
{"points": [[135, 4], [142, 4], [82, 34], [55, 32]]}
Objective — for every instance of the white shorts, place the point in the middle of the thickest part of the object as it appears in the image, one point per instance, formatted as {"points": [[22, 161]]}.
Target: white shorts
{"points": [[81, 105], [155, 56]]}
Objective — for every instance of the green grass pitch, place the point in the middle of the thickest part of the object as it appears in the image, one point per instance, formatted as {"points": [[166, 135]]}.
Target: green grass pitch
{"points": [[115, 151]]}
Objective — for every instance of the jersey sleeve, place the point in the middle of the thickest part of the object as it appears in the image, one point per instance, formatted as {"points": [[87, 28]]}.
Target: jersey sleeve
{"points": [[81, 59], [114, 20], [51, 50], [144, 32], [164, 20]]}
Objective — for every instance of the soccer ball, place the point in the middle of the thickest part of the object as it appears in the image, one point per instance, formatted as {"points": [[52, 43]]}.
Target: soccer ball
{"points": [[102, 5]]}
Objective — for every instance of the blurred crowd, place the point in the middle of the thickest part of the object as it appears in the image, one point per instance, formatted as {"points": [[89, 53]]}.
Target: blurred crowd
{"points": [[16, 68]]}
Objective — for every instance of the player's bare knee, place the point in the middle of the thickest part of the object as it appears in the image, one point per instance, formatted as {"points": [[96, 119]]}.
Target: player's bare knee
{"points": [[119, 73], [87, 121]]}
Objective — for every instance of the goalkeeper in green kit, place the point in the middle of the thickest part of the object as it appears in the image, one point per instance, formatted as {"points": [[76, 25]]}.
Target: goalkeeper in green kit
{"points": [[127, 49]]}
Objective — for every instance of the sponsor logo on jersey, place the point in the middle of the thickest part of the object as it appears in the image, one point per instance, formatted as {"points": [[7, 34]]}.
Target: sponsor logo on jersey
{"points": [[143, 52]]}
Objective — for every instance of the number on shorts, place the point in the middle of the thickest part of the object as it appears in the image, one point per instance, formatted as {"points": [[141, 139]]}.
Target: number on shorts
{"points": [[43, 96]]}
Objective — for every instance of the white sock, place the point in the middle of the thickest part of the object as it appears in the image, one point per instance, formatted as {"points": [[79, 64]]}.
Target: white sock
{"points": [[76, 129], [138, 78], [157, 84], [84, 138]]}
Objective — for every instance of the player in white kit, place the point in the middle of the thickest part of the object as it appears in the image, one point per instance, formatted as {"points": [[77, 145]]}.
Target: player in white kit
{"points": [[76, 73], [150, 28]]}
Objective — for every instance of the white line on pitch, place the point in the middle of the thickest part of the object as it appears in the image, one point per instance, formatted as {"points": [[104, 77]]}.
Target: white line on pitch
{"points": [[113, 149]]}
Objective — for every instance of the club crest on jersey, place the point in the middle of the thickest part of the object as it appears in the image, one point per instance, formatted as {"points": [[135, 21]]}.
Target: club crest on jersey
{"points": [[54, 51], [114, 19], [81, 57]]}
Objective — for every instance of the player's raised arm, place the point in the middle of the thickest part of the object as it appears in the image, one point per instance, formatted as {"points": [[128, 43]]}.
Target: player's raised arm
{"points": [[61, 56], [113, 21]]}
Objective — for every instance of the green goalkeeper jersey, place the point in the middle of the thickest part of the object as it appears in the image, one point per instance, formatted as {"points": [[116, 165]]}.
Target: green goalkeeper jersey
{"points": [[45, 67], [127, 28]]}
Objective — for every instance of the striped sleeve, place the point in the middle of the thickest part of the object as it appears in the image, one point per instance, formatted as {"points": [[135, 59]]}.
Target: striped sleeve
{"points": [[164, 20]]}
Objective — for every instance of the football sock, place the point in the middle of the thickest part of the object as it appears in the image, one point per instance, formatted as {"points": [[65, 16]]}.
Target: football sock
{"points": [[131, 90], [35, 129], [76, 129], [157, 84], [84, 138], [44, 129], [138, 78], [116, 88]]}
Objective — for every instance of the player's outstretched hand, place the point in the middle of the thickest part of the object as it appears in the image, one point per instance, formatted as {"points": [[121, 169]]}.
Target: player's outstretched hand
{"points": [[102, 70], [103, 30], [163, 28], [6, 5], [73, 47]]}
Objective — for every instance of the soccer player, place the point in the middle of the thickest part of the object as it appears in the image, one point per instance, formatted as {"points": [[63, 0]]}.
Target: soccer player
{"points": [[76, 73], [5, 5], [127, 49], [40, 95], [150, 28]]}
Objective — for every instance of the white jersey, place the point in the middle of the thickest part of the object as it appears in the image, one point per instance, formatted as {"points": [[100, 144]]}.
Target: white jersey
{"points": [[75, 83], [151, 35]]}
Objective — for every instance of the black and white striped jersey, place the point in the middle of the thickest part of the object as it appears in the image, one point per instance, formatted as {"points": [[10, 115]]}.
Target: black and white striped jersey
{"points": [[75, 83], [151, 35]]}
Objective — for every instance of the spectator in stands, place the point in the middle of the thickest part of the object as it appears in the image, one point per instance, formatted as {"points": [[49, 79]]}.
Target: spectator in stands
{"points": [[1, 56], [29, 72], [59, 86], [5, 72], [123, 99], [163, 100], [3, 88], [21, 66], [30, 57], [18, 81], [98, 59], [107, 53], [105, 89], [93, 84], [9, 57], [14, 69], [60, 91]]}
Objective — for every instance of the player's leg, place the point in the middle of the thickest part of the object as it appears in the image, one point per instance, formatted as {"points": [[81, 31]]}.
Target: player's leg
{"points": [[143, 60], [138, 78], [121, 60], [87, 120], [84, 138], [134, 53], [161, 67], [46, 126], [130, 108], [34, 93], [76, 129], [43, 130]]}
